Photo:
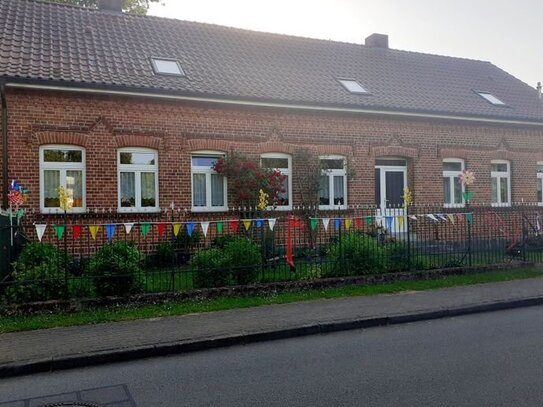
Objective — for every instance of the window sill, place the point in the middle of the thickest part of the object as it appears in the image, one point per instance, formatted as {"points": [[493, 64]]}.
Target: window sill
{"points": [[279, 208], [332, 208], [208, 209], [501, 205], [58, 211], [452, 206], [138, 210]]}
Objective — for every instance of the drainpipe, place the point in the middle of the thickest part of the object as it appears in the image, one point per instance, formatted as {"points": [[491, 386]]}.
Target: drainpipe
{"points": [[5, 183]]}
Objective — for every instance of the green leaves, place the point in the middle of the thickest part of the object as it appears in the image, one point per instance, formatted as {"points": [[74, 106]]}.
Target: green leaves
{"points": [[139, 7]]}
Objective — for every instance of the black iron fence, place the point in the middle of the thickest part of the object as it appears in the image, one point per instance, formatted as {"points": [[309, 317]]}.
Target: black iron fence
{"points": [[101, 253]]}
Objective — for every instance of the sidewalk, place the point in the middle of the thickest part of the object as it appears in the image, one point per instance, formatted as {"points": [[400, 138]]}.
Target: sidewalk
{"points": [[62, 348]]}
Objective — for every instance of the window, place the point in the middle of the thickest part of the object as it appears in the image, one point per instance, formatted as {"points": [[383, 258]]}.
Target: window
{"points": [[62, 166], [490, 98], [208, 187], [333, 183], [500, 174], [353, 86], [166, 66], [540, 183], [283, 164], [452, 187], [138, 180]]}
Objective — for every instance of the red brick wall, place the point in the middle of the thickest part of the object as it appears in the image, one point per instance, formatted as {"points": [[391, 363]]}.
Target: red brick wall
{"points": [[102, 124]]}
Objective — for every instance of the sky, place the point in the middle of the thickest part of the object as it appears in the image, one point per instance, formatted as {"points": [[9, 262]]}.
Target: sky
{"points": [[507, 33]]}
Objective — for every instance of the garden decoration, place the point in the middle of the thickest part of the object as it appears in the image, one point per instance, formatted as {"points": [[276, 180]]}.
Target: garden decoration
{"points": [[17, 196], [466, 179], [263, 200], [407, 197]]}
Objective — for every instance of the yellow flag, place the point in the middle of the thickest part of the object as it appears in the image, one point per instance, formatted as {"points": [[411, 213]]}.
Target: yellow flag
{"points": [[94, 231], [176, 229], [451, 217], [400, 220], [247, 224], [348, 223]]}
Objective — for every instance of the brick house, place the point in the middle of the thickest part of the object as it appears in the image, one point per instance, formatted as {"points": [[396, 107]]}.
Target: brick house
{"points": [[129, 112]]}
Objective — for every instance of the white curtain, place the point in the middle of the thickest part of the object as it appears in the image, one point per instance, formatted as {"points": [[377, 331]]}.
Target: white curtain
{"points": [[199, 189], [339, 190], [74, 187], [324, 190], [51, 180], [148, 192], [217, 190], [128, 189]]}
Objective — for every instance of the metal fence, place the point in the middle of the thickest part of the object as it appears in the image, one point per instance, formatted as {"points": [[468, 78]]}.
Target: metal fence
{"points": [[101, 253]]}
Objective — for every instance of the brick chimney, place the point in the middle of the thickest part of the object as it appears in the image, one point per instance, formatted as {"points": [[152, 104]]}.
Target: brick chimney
{"points": [[111, 6], [377, 41], [539, 90]]}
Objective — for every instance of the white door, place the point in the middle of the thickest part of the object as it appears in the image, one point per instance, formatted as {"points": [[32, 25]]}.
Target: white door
{"points": [[390, 180]]}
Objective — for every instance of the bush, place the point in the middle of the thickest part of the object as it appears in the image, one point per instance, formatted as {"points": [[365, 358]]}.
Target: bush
{"points": [[356, 254], [115, 269], [397, 256], [37, 254], [245, 260], [165, 254], [212, 267]]}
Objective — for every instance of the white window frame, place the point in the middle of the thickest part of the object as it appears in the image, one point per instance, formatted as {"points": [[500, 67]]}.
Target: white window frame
{"points": [[62, 168], [330, 173], [137, 169], [501, 175], [207, 171], [452, 175], [539, 181], [283, 171]]}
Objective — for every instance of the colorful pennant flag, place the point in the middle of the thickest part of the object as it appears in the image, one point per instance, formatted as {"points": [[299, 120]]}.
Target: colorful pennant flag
{"points": [[325, 223], [348, 223], [413, 217], [128, 227], [313, 223], [59, 230], [161, 228], [388, 221], [337, 223], [93, 229], [368, 220], [442, 217], [450, 216], [40, 230], [76, 230], [220, 226], [190, 228], [176, 229], [145, 228], [469, 217], [400, 220], [271, 223], [110, 231], [433, 217], [258, 223], [358, 222], [234, 225], [205, 227], [247, 223]]}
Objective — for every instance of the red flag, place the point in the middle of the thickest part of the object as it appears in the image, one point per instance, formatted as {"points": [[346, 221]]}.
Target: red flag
{"points": [[234, 224], [76, 230], [358, 222], [161, 227]]}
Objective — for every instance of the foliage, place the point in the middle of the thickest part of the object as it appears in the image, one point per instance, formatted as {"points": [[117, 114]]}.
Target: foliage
{"points": [[245, 260], [36, 254], [356, 254], [247, 181], [40, 282], [212, 267], [115, 269], [165, 254], [397, 255], [130, 6]]}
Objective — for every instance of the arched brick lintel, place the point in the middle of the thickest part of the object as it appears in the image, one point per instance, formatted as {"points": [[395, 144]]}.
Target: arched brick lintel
{"points": [[277, 147], [138, 141], [215, 145], [56, 137], [399, 151]]}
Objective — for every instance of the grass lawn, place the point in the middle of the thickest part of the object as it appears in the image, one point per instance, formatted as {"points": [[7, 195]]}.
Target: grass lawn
{"points": [[25, 323]]}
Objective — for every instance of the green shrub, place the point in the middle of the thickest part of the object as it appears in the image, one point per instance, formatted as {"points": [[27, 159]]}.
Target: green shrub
{"points": [[212, 267], [37, 254], [115, 269], [38, 283], [397, 257], [246, 260], [356, 254], [165, 254]]}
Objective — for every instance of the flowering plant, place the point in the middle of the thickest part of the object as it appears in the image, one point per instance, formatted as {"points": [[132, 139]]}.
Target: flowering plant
{"points": [[66, 201], [407, 196], [467, 177], [249, 184]]}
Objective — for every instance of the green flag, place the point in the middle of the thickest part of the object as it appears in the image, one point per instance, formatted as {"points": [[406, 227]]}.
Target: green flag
{"points": [[220, 226], [469, 217], [368, 220], [59, 230], [145, 228], [314, 223]]}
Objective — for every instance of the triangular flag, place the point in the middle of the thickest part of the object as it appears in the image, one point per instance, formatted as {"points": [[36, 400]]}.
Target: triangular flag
{"points": [[76, 230], [388, 221], [379, 220], [460, 218], [247, 223], [358, 222], [59, 230], [325, 223], [40, 231], [400, 220], [337, 223], [271, 223], [94, 231], [190, 228], [433, 217], [128, 227], [205, 227], [176, 229], [451, 218], [220, 226], [258, 223], [413, 217], [145, 228], [469, 217], [313, 222], [368, 220], [348, 223], [234, 224], [161, 228], [110, 231]]}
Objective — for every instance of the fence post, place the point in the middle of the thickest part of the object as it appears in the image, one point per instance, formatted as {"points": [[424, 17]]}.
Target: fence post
{"points": [[523, 244], [469, 232], [408, 237]]}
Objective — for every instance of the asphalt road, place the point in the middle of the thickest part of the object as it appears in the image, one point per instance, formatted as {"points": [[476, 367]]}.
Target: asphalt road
{"points": [[492, 359]]}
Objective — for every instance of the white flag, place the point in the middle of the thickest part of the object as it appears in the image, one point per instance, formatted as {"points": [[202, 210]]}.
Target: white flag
{"points": [[326, 222], [271, 223], [433, 217], [205, 227], [128, 227], [40, 231]]}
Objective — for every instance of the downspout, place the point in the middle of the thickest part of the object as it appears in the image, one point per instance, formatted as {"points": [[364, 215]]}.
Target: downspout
{"points": [[5, 183]]}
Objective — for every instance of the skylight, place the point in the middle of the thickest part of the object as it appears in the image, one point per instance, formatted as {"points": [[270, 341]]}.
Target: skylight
{"points": [[490, 98], [352, 86], [164, 66]]}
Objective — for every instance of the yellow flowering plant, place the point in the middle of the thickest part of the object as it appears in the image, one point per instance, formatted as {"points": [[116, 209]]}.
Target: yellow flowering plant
{"points": [[65, 200]]}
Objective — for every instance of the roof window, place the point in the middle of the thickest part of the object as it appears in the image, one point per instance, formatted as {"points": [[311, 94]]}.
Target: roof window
{"points": [[165, 66], [490, 98], [353, 86]]}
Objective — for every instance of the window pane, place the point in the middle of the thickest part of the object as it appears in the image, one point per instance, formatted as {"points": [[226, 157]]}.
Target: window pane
{"points": [[51, 180], [539, 190], [324, 190], [283, 196], [166, 66], [217, 190], [499, 167], [128, 189], [339, 190], [148, 192], [138, 158], [74, 187], [539, 168], [275, 163], [201, 161], [494, 190], [452, 166], [503, 191], [63, 156], [198, 189], [332, 164], [447, 190], [458, 199], [391, 162]]}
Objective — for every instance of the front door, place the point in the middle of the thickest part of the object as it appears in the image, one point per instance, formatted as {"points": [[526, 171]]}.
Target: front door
{"points": [[390, 180]]}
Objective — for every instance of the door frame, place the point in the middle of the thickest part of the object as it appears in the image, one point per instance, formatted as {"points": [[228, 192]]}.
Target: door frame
{"points": [[382, 212], [382, 175]]}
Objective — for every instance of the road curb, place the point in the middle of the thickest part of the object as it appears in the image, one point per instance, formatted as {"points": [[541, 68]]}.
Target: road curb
{"points": [[163, 349]]}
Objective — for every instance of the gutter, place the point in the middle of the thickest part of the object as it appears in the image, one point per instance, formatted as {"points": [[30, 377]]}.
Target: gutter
{"points": [[5, 183], [240, 102]]}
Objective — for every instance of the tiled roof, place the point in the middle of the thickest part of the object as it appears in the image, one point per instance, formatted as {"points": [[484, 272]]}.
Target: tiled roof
{"points": [[56, 43]]}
